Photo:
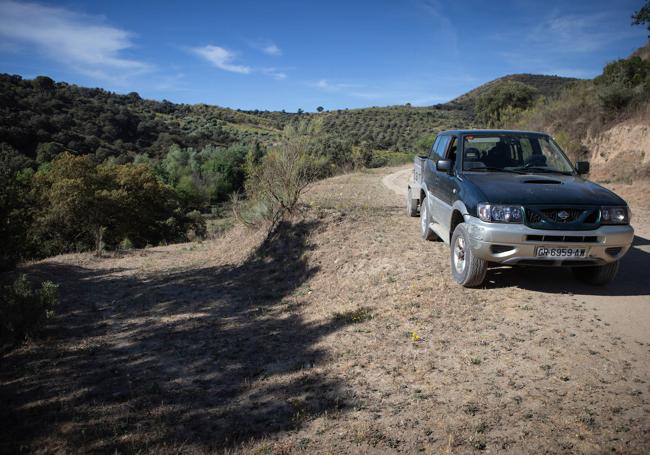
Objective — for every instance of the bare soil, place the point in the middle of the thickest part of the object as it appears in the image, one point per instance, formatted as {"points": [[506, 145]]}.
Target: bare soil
{"points": [[340, 333]]}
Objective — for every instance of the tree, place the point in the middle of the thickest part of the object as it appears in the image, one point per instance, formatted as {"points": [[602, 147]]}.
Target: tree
{"points": [[15, 212], [501, 103], [283, 174], [642, 16], [84, 205], [70, 194], [320, 109]]}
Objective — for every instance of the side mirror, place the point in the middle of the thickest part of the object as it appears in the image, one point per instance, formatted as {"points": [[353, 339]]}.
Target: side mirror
{"points": [[582, 167], [443, 165]]}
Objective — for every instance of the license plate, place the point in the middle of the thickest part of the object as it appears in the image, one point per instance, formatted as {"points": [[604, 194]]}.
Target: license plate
{"points": [[546, 252]]}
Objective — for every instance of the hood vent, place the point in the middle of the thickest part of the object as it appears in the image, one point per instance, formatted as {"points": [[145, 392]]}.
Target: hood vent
{"points": [[543, 181]]}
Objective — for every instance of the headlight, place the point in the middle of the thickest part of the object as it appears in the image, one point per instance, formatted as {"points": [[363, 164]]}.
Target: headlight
{"points": [[614, 215], [500, 213]]}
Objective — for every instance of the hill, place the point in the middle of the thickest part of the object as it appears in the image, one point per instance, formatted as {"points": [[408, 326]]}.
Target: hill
{"points": [[547, 86], [40, 118], [604, 120]]}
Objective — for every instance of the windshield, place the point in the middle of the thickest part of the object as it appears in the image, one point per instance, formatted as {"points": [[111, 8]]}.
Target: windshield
{"points": [[514, 152]]}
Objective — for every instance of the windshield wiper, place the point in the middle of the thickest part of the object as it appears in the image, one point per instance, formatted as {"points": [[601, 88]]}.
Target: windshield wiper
{"points": [[544, 170], [495, 169]]}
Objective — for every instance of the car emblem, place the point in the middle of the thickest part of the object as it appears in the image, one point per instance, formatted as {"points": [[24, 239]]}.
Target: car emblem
{"points": [[563, 215]]}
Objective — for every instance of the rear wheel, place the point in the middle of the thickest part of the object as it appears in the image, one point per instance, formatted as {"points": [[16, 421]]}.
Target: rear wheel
{"points": [[425, 229], [411, 204], [598, 275], [466, 268]]}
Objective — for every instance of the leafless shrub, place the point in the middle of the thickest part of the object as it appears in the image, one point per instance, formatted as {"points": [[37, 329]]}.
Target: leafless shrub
{"points": [[277, 180]]}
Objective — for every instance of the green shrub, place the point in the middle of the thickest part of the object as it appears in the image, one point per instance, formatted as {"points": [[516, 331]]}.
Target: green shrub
{"points": [[23, 310], [502, 103], [616, 97]]}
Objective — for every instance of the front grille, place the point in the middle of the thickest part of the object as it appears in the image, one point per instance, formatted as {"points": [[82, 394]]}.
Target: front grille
{"points": [[533, 217], [562, 217]]}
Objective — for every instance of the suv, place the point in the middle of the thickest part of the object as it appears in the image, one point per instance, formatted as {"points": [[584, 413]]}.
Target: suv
{"points": [[514, 198]]}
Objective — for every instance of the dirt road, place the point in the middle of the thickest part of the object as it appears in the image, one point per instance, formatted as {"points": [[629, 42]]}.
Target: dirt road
{"points": [[625, 305], [341, 333]]}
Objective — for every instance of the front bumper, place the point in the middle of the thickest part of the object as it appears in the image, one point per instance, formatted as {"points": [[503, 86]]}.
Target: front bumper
{"points": [[512, 244]]}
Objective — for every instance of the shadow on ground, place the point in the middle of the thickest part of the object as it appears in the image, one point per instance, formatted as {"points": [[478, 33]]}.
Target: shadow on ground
{"points": [[168, 361], [632, 278]]}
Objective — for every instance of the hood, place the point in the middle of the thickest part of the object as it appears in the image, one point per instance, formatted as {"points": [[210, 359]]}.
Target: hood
{"points": [[507, 188]]}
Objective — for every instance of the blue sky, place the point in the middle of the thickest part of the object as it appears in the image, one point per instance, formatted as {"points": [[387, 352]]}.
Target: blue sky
{"points": [[303, 54]]}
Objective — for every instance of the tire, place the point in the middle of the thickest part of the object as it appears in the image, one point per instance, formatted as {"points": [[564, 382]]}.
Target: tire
{"points": [[599, 275], [425, 230], [411, 208], [466, 268]]}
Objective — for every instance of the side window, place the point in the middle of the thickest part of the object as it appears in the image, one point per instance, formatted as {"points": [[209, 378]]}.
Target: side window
{"points": [[526, 150], [432, 152], [451, 151], [441, 147]]}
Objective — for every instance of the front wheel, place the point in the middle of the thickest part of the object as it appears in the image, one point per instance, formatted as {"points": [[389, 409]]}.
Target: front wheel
{"points": [[466, 268], [599, 275]]}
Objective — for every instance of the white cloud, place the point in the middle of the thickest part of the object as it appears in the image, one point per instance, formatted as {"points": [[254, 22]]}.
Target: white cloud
{"points": [[221, 58], [272, 49], [79, 40]]}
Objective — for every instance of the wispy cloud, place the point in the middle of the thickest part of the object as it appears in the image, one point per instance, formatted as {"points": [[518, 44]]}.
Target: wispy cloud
{"points": [[221, 58], [394, 95], [224, 59], [583, 33], [445, 30], [324, 84], [266, 46], [81, 41], [563, 44], [274, 73]]}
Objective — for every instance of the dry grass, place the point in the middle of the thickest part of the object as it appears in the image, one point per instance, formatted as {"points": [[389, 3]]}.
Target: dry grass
{"points": [[343, 334]]}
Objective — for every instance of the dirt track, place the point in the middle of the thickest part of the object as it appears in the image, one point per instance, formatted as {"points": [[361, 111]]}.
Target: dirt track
{"points": [[342, 333]]}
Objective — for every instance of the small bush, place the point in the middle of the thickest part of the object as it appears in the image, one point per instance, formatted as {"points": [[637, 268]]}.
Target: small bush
{"points": [[614, 98], [357, 316], [23, 310], [276, 182]]}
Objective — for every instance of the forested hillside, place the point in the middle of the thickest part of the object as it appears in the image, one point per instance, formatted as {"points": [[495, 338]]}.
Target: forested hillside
{"points": [[78, 164], [41, 118]]}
